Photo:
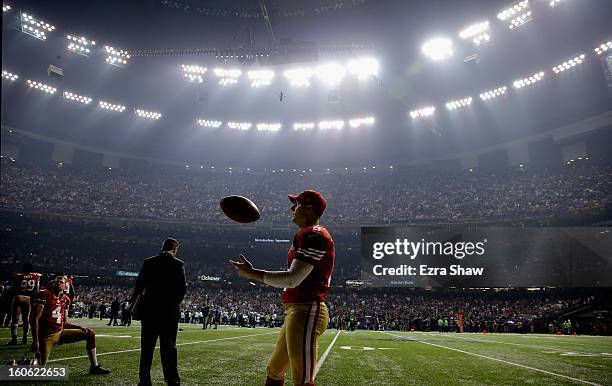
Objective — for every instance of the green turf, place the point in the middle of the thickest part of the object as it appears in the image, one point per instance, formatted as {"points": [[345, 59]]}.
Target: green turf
{"points": [[229, 356]]}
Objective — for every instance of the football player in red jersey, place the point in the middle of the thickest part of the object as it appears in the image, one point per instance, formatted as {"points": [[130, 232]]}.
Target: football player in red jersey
{"points": [[305, 283], [25, 285], [69, 290], [50, 327]]}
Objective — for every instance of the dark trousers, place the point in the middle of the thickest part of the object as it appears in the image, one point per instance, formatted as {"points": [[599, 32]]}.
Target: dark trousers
{"points": [[166, 331]]}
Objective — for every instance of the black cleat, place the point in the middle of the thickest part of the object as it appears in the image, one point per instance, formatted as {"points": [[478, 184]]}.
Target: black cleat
{"points": [[13, 342], [24, 340], [95, 370]]}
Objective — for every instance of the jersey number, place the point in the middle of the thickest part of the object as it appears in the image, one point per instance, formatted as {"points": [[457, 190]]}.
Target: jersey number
{"points": [[28, 285], [57, 314]]}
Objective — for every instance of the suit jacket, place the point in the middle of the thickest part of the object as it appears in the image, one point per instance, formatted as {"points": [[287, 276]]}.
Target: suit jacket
{"points": [[162, 280]]}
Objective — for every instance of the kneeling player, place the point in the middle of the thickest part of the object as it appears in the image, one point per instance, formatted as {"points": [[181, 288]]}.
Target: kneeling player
{"points": [[49, 325]]}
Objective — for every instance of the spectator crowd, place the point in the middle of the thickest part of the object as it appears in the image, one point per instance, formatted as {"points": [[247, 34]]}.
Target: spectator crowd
{"points": [[354, 197]]}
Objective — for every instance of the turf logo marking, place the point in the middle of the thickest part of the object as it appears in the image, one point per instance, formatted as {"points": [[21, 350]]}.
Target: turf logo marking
{"points": [[363, 348]]}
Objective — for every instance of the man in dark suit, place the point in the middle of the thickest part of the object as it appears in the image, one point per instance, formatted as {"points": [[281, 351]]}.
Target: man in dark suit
{"points": [[161, 282]]}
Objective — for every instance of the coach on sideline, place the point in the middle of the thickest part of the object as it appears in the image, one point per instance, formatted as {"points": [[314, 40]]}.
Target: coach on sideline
{"points": [[161, 284]]}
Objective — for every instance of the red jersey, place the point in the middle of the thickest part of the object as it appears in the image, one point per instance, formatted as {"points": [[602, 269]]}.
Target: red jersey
{"points": [[69, 289], [26, 283], [54, 311], [315, 246]]}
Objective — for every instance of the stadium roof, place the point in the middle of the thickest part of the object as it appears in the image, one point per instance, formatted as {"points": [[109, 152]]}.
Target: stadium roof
{"points": [[162, 35]]}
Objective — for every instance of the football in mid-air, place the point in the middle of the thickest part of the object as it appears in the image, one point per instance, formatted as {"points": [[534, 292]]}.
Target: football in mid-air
{"points": [[239, 209]]}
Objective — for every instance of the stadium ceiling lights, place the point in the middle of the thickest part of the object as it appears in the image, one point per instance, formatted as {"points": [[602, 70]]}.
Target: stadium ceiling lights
{"points": [[363, 68], [327, 125], [35, 27], [208, 123], [554, 3], [42, 87], [331, 73], [299, 77], [303, 126], [568, 64], [603, 47], [9, 76], [260, 78], [79, 44], [367, 121], [269, 126], [456, 104], [423, 112], [438, 48], [528, 81], [490, 94], [147, 114], [227, 77], [6, 8], [77, 98], [239, 125], [478, 33], [112, 107], [516, 15], [194, 73], [116, 58]]}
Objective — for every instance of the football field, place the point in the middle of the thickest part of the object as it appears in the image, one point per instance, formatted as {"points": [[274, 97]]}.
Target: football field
{"points": [[238, 356]]}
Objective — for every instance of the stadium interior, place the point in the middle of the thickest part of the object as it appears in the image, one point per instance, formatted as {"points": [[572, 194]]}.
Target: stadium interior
{"points": [[126, 122]]}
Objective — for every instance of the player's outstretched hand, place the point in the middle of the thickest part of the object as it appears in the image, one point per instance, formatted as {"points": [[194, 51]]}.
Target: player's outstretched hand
{"points": [[245, 268]]}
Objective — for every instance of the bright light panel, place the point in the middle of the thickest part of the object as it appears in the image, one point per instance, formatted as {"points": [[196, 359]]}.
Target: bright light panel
{"points": [[331, 73], [438, 48], [459, 103], [35, 27], [80, 44], [554, 3], [209, 123], [568, 64], [303, 126], [77, 98], [6, 8], [520, 20], [363, 68], [9, 76], [110, 106], [41, 86], [194, 73], [260, 78], [366, 121], [227, 77], [147, 114], [327, 125], [299, 77], [116, 57], [269, 126], [423, 112], [478, 33], [528, 81], [509, 13], [490, 94], [239, 125], [603, 47]]}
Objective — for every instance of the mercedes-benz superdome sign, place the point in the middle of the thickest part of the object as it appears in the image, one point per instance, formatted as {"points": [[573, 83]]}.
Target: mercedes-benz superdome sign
{"points": [[453, 256]]}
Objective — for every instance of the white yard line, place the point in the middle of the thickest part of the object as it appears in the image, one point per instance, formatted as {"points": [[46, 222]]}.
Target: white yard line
{"points": [[497, 341], [178, 344], [502, 361], [325, 354]]}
